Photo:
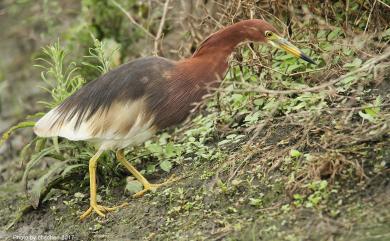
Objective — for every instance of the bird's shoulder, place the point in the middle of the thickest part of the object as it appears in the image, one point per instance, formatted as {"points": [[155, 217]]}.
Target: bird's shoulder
{"points": [[135, 74]]}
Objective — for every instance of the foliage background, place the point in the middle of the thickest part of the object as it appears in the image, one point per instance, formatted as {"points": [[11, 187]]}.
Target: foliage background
{"points": [[282, 151]]}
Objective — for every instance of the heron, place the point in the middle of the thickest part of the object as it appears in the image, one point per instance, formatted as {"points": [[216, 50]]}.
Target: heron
{"points": [[131, 103]]}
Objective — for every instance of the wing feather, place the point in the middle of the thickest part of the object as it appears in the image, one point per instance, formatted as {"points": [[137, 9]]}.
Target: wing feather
{"points": [[120, 121], [110, 108]]}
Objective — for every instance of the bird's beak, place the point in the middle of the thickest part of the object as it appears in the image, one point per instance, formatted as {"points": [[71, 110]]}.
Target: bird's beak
{"points": [[282, 43]]}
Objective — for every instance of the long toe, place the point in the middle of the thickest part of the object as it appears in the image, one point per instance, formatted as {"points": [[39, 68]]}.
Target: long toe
{"points": [[153, 187], [150, 187], [86, 213], [100, 210], [93, 208]]}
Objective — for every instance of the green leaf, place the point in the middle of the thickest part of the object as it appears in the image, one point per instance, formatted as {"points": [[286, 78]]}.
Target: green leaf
{"points": [[133, 186], [295, 153], [69, 169], [355, 64], [371, 111], [334, 34], [258, 102], [154, 148], [37, 157], [163, 138], [386, 34], [298, 196], [169, 150], [24, 151], [252, 118], [40, 144], [257, 202], [223, 142], [20, 125], [150, 168], [321, 34], [365, 116], [166, 165], [55, 143], [231, 136], [323, 185], [347, 80], [40, 185]]}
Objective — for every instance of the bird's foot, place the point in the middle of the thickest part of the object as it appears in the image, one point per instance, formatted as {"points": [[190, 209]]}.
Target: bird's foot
{"points": [[100, 210], [152, 187]]}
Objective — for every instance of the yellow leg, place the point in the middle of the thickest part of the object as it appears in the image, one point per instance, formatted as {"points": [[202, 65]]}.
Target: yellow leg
{"points": [[147, 185], [92, 182]]}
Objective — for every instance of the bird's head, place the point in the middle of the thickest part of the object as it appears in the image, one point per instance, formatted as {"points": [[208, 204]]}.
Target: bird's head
{"points": [[261, 31]]}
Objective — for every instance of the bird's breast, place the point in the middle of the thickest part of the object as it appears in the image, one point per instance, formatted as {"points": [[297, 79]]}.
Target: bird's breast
{"points": [[173, 101], [173, 109]]}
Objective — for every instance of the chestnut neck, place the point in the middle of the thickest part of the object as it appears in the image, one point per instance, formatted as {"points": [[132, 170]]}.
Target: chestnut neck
{"points": [[211, 57], [222, 42]]}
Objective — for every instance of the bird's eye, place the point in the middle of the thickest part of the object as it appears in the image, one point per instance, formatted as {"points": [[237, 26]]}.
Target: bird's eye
{"points": [[268, 34]]}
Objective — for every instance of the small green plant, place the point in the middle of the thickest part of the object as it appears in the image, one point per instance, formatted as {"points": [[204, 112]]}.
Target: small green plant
{"points": [[61, 81], [256, 202], [372, 113], [319, 195], [103, 55]]}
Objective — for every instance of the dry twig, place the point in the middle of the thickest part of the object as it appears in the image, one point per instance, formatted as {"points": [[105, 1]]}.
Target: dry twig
{"points": [[132, 20], [160, 28]]}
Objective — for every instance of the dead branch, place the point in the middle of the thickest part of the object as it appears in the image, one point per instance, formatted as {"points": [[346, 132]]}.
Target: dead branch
{"points": [[132, 20], [160, 28]]}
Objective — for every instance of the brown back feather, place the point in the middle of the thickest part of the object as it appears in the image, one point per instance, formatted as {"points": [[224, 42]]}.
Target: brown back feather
{"points": [[125, 83]]}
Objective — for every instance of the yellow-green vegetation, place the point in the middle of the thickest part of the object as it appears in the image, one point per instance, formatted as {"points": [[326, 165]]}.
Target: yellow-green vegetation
{"points": [[283, 150]]}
